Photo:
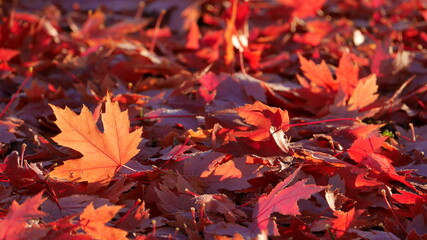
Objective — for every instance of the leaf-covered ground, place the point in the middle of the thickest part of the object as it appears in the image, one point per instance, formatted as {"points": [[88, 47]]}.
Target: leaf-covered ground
{"points": [[213, 119]]}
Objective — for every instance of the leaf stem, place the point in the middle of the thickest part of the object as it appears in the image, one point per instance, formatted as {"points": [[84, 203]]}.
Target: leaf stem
{"points": [[330, 232], [392, 211], [322, 121], [29, 75], [131, 169], [191, 193], [140, 10], [168, 116], [127, 214], [74, 77], [156, 30]]}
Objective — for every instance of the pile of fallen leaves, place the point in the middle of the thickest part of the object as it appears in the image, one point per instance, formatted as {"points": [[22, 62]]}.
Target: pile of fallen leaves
{"points": [[213, 119]]}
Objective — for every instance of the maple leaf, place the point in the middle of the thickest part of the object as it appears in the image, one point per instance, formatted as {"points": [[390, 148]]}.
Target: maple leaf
{"points": [[14, 225], [347, 95], [309, 8], [283, 200], [317, 31], [70, 205], [137, 218], [5, 56], [219, 203], [364, 93], [364, 151], [103, 153], [319, 75], [21, 173], [382, 61], [232, 175], [347, 74], [92, 24], [222, 231], [374, 234], [356, 100], [344, 221], [93, 222], [193, 36], [364, 146], [65, 228], [408, 198], [266, 119], [228, 34], [169, 201]]}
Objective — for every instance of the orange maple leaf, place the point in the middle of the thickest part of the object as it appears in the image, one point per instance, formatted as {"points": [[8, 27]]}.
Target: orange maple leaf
{"points": [[319, 75], [346, 95], [14, 225], [347, 74], [364, 94], [93, 222], [228, 34], [103, 153]]}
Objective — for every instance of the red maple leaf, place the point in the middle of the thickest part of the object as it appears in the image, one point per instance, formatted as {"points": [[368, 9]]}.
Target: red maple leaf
{"points": [[5, 56], [308, 9], [281, 199], [266, 119], [344, 221], [365, 152]]}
